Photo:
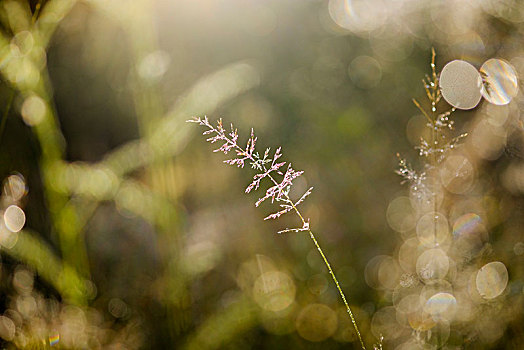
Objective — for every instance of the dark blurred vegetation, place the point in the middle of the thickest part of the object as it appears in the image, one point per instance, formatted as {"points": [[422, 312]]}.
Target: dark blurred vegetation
{"points": [[137, 236]]}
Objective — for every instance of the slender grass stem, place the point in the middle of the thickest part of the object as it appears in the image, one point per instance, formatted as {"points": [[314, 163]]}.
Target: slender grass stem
{"points": [[317, 245], [435, 140], [328, 265], [38, 7], [433, 96], [350, 313], [415, 102]]}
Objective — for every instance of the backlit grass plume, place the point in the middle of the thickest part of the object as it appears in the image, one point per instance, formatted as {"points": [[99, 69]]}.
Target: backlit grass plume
{"points": [[272, 168], [433, 151], [447, 258]]}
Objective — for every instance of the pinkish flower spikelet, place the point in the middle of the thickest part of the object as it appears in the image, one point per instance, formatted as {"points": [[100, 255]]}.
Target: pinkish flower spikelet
{"points": [[267, 167]]}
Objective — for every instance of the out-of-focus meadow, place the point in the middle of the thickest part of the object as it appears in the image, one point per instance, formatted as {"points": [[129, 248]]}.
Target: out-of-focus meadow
{"points": [[122, 230]]}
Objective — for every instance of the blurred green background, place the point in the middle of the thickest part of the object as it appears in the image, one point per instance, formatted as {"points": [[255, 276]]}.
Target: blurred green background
{"points": [[138, 236]]}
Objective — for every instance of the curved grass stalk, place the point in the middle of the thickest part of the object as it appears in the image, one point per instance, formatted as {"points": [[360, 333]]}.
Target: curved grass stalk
{"points": [[280, 191], [335, 280], [328, 265]]}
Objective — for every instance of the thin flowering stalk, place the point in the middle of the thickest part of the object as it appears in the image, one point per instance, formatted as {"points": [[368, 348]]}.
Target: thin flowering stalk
{"points": [[279, 192], [426, 184], [433, 151]]}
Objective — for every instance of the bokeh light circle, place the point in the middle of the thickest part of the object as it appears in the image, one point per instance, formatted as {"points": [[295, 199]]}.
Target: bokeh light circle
{"points": [[8, 239], [317, 284], [518, 248], [23, 280], [408, 254], [432, 229], [251, 270], [365, 72], [358, 15], [154, 65], [7, 328], [492, 280], [421, 321], [432, 264], [316, 322], [457, 174], [488, 142], [33, 110], [14, 218], [400, 214], [384, 323], [467, 224], [499, 81], [409, 304], [426, 195], [468, 236], [439, 334], [382, 272], [22, 43], [440, 304], [460, 84], [15, 187], [274, 291]]}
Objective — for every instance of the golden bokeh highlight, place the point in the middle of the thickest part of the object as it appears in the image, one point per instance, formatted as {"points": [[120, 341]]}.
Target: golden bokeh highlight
{"points": [[460, 83], [7, 328], [23, 280], [14, 218], [317, 284], [274, 291], [457, 174], [316, 322], [432, 230], [33, 110], [441, 305], [384, 323], [433, 264], [492, 279], [487, 141], [382, 272], [14, 187], [400, 215]]}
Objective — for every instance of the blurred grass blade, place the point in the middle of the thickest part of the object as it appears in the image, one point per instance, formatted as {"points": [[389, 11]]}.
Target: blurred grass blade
{"points": [[171, 133], [218, 330], [16, 15], [50, 16], [30, 250], [139, 200]]}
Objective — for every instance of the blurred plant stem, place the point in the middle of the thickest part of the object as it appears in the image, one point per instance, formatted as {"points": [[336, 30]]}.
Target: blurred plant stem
{"points": [[328, 265], [6, 114], [146, 193], [31, 250], [21, 72], [223, 327], [137, 21]]}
